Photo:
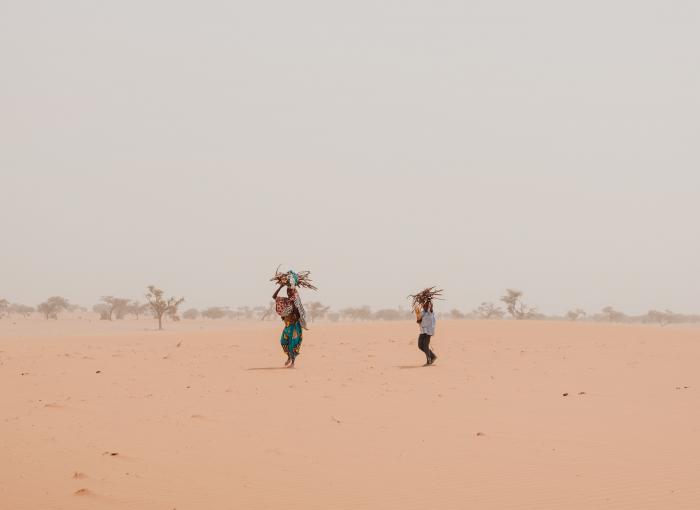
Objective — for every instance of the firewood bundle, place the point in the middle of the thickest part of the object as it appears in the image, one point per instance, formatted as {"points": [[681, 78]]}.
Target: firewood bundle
{"points": [[425, 296], [304, 279]]}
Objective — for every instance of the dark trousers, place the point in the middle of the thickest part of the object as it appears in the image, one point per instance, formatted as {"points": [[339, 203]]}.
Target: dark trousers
{"points": [[424, 345]]}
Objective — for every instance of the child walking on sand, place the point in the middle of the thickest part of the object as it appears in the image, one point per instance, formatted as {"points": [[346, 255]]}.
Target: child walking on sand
{"points": [[426, 319]]}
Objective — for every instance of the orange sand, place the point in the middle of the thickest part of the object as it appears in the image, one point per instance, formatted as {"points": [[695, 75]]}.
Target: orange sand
{"points": [[99, 415]]}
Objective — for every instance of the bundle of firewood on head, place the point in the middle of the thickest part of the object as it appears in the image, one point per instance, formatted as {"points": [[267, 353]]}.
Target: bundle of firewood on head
{"points": [[425, 296], [292, 279]]}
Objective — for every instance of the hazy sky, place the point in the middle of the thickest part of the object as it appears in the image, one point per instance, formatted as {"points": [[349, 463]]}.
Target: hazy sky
{"points": [[552, 146]]}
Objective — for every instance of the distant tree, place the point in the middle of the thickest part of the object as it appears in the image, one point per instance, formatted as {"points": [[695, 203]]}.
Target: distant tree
{"points": [[574, 315], [334, 316], [100, 308], [115, 306], [244, 312], [515, 306], [136, 308], [612, 315], [388, 314], [4, 307], [456, 314], [406, 314], [488, 310], [364, 313], [53, 306], [104, 310], [214, 312], [316, 310], [348, 313], [361, 313], [190, 314], [270, 311], [160, 306], [258, 311], [19, 309], [662, 318]]}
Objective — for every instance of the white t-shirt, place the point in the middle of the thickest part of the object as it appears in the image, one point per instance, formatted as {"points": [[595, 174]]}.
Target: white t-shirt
{"points": [[427, 323]]}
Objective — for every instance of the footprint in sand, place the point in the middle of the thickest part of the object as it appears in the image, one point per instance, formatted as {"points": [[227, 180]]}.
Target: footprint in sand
{"points": [[82, 492], [79, 476]]}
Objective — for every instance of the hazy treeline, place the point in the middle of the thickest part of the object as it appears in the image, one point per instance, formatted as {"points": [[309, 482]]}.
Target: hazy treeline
{"points": [[511, 306]]}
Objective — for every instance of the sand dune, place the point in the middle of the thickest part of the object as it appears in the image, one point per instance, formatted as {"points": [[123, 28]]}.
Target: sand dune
{"points": [[201, 416]]}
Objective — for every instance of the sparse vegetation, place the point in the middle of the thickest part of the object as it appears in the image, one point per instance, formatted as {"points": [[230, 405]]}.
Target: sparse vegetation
{"points": [[316, 310], [487, 310], [53, 306], [190, 314], [662, 318], [574, 315], [137, 309], [387, 314], [19, 309], [268, 312], [516, 307], [114, 307], [214, 312], [361, 313], [162, 307], [612, 315]]}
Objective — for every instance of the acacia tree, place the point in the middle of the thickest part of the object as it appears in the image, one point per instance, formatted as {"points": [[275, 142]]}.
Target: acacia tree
{"points": [[574, 315], [4, 307], [316, 310], [22, 310], [270, 311], [214, 312], [115, 305], [515, 306], [136, 308], [53, 306], [488, 310], [362, 313], [613, 315], [387, 314], [160, 306], [244, 311], [190, 314], [662, 318], [456, 314]]}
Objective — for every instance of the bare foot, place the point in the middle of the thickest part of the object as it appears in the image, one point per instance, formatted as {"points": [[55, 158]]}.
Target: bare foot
{"points": [[286, 363]]}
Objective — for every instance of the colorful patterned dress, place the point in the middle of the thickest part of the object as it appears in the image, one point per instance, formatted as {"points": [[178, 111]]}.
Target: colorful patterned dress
{"points": [[292, 312]]}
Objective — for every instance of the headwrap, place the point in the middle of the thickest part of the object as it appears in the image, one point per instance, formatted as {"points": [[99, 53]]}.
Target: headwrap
{"points": [[293, 279]]}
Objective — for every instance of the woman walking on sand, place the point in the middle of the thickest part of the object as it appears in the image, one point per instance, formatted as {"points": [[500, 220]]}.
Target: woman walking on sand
{"points": [[291, 310], [425, 317]]}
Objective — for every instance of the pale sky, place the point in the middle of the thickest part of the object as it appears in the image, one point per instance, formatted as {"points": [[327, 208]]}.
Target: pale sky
{"points": [[551, 146]]}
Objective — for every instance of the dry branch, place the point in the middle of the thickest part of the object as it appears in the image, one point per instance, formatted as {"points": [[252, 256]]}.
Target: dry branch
{"points": [[425, 296], [304, 279]]}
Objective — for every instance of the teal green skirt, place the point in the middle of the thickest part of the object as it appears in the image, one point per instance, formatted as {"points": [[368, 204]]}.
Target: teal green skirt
{"points": [[291, 339]]}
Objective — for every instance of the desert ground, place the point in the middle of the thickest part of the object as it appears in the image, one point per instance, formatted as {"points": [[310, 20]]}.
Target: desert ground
{"points": [[116, 415]]}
